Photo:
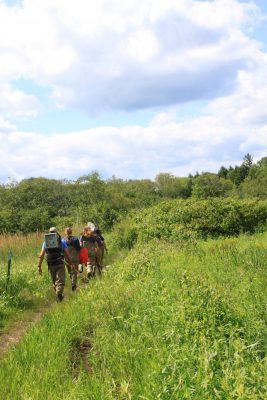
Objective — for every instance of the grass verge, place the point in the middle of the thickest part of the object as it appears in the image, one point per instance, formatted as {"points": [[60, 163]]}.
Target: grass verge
{"points": [[183, 321]]}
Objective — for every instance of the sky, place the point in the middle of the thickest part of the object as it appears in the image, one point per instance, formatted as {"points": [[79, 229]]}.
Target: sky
{"points": [[131, 89]]}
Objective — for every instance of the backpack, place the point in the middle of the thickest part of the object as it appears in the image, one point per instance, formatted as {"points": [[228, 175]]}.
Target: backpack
{"points": [[53, 248], [73, 241], [99, 234]]}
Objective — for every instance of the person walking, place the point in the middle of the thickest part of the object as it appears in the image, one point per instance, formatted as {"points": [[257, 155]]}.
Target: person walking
{"points": [[102, 248], [73, 246], [90, 241], [55, 252]]}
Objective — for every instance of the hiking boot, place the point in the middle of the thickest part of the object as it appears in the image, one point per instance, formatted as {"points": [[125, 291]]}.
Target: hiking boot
{"points": [[73, 287], [60, 297]]}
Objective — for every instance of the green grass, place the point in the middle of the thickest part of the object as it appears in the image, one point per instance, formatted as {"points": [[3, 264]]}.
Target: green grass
{"points": [[25, 289], [171, 321]]}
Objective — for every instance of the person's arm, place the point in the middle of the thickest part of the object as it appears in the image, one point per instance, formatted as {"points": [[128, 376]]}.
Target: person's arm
{"points": [[41, 257], [68, 258]]}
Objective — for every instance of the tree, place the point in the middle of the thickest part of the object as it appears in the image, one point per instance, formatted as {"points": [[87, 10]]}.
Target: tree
{"points": [[32, 220], [48, 194], [140, 191], [210, 185], [238, 174], [168, 185], [91, 188], [223, 172], [248, 161], [255, 184]]}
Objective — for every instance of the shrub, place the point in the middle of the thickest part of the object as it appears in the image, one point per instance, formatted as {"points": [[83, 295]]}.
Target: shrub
{"points": [[183, 220]]}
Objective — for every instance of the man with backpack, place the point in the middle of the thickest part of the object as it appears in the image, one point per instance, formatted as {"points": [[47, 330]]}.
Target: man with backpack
{"points": [[74, 247], [56, 251]]}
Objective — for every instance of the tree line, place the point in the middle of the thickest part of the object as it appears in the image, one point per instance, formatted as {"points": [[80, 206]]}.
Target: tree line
{"points": [[37, 203]]}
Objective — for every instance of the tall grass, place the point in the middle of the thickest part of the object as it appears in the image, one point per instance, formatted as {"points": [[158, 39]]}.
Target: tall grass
{"points": [[170, 321], [26, 290]]}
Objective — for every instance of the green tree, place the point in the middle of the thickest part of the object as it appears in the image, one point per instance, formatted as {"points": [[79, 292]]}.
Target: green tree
{"points": [[32, 220], [223, 172], [238, 174], [248, 161], [255, 184], [141, 191], [8, 220], [91, 188], [33, 193], [209, 185], [168, 185]]}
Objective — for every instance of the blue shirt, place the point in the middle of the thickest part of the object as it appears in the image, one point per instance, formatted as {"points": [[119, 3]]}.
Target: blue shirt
{"points": [[73, 242]]}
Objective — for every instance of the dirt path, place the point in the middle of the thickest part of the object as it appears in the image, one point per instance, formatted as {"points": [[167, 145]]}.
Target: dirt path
{"points": [[17, 329]]}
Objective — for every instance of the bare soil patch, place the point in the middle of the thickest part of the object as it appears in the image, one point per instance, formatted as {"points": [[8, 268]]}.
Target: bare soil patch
{"points": [[16, 329]]}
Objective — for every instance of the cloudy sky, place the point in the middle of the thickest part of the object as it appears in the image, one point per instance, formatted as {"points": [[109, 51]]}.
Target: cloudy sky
{"points": [[131, 88]]}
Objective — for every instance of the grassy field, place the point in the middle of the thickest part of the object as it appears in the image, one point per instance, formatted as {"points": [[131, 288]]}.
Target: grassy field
{"points": [[26, 290], [184, 320]]}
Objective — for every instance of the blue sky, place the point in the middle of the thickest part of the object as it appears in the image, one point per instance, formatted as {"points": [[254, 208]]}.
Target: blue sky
{"points": [[131, 88]]}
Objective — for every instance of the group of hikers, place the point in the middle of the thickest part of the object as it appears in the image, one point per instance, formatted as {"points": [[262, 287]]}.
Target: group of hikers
{"points": [[76, 253]]}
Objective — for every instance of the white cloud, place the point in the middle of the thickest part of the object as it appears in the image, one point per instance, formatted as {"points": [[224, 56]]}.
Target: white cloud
{"points": [[6, 126], [114, 55], [126, 55], [202, 143], [16, 103], [141, 45], [246, 106]]}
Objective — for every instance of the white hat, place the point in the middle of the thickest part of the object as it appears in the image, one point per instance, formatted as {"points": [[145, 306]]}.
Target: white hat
{"points": [[91, 226], [53, 229]]}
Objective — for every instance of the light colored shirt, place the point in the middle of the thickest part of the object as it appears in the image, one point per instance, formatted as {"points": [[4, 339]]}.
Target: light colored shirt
{"points": [[63, 245]]}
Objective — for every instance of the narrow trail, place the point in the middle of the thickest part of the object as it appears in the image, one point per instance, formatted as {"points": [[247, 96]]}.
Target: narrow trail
{"points": [[14, 332], [17, 329]]}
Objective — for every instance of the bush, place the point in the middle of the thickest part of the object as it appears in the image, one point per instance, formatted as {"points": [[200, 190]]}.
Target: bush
{"points": [[183, 220], [124, 235]]}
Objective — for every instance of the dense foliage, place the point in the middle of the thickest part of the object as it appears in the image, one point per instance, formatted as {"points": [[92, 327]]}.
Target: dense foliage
{"points": [[176, 220], [37, 203]]}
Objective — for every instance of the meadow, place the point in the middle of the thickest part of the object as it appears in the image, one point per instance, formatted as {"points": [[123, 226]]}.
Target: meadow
{"points": [[24, 291], [180, 319]]}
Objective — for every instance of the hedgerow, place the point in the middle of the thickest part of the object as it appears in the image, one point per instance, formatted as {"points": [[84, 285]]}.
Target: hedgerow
{"points": [[178, 220]]}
